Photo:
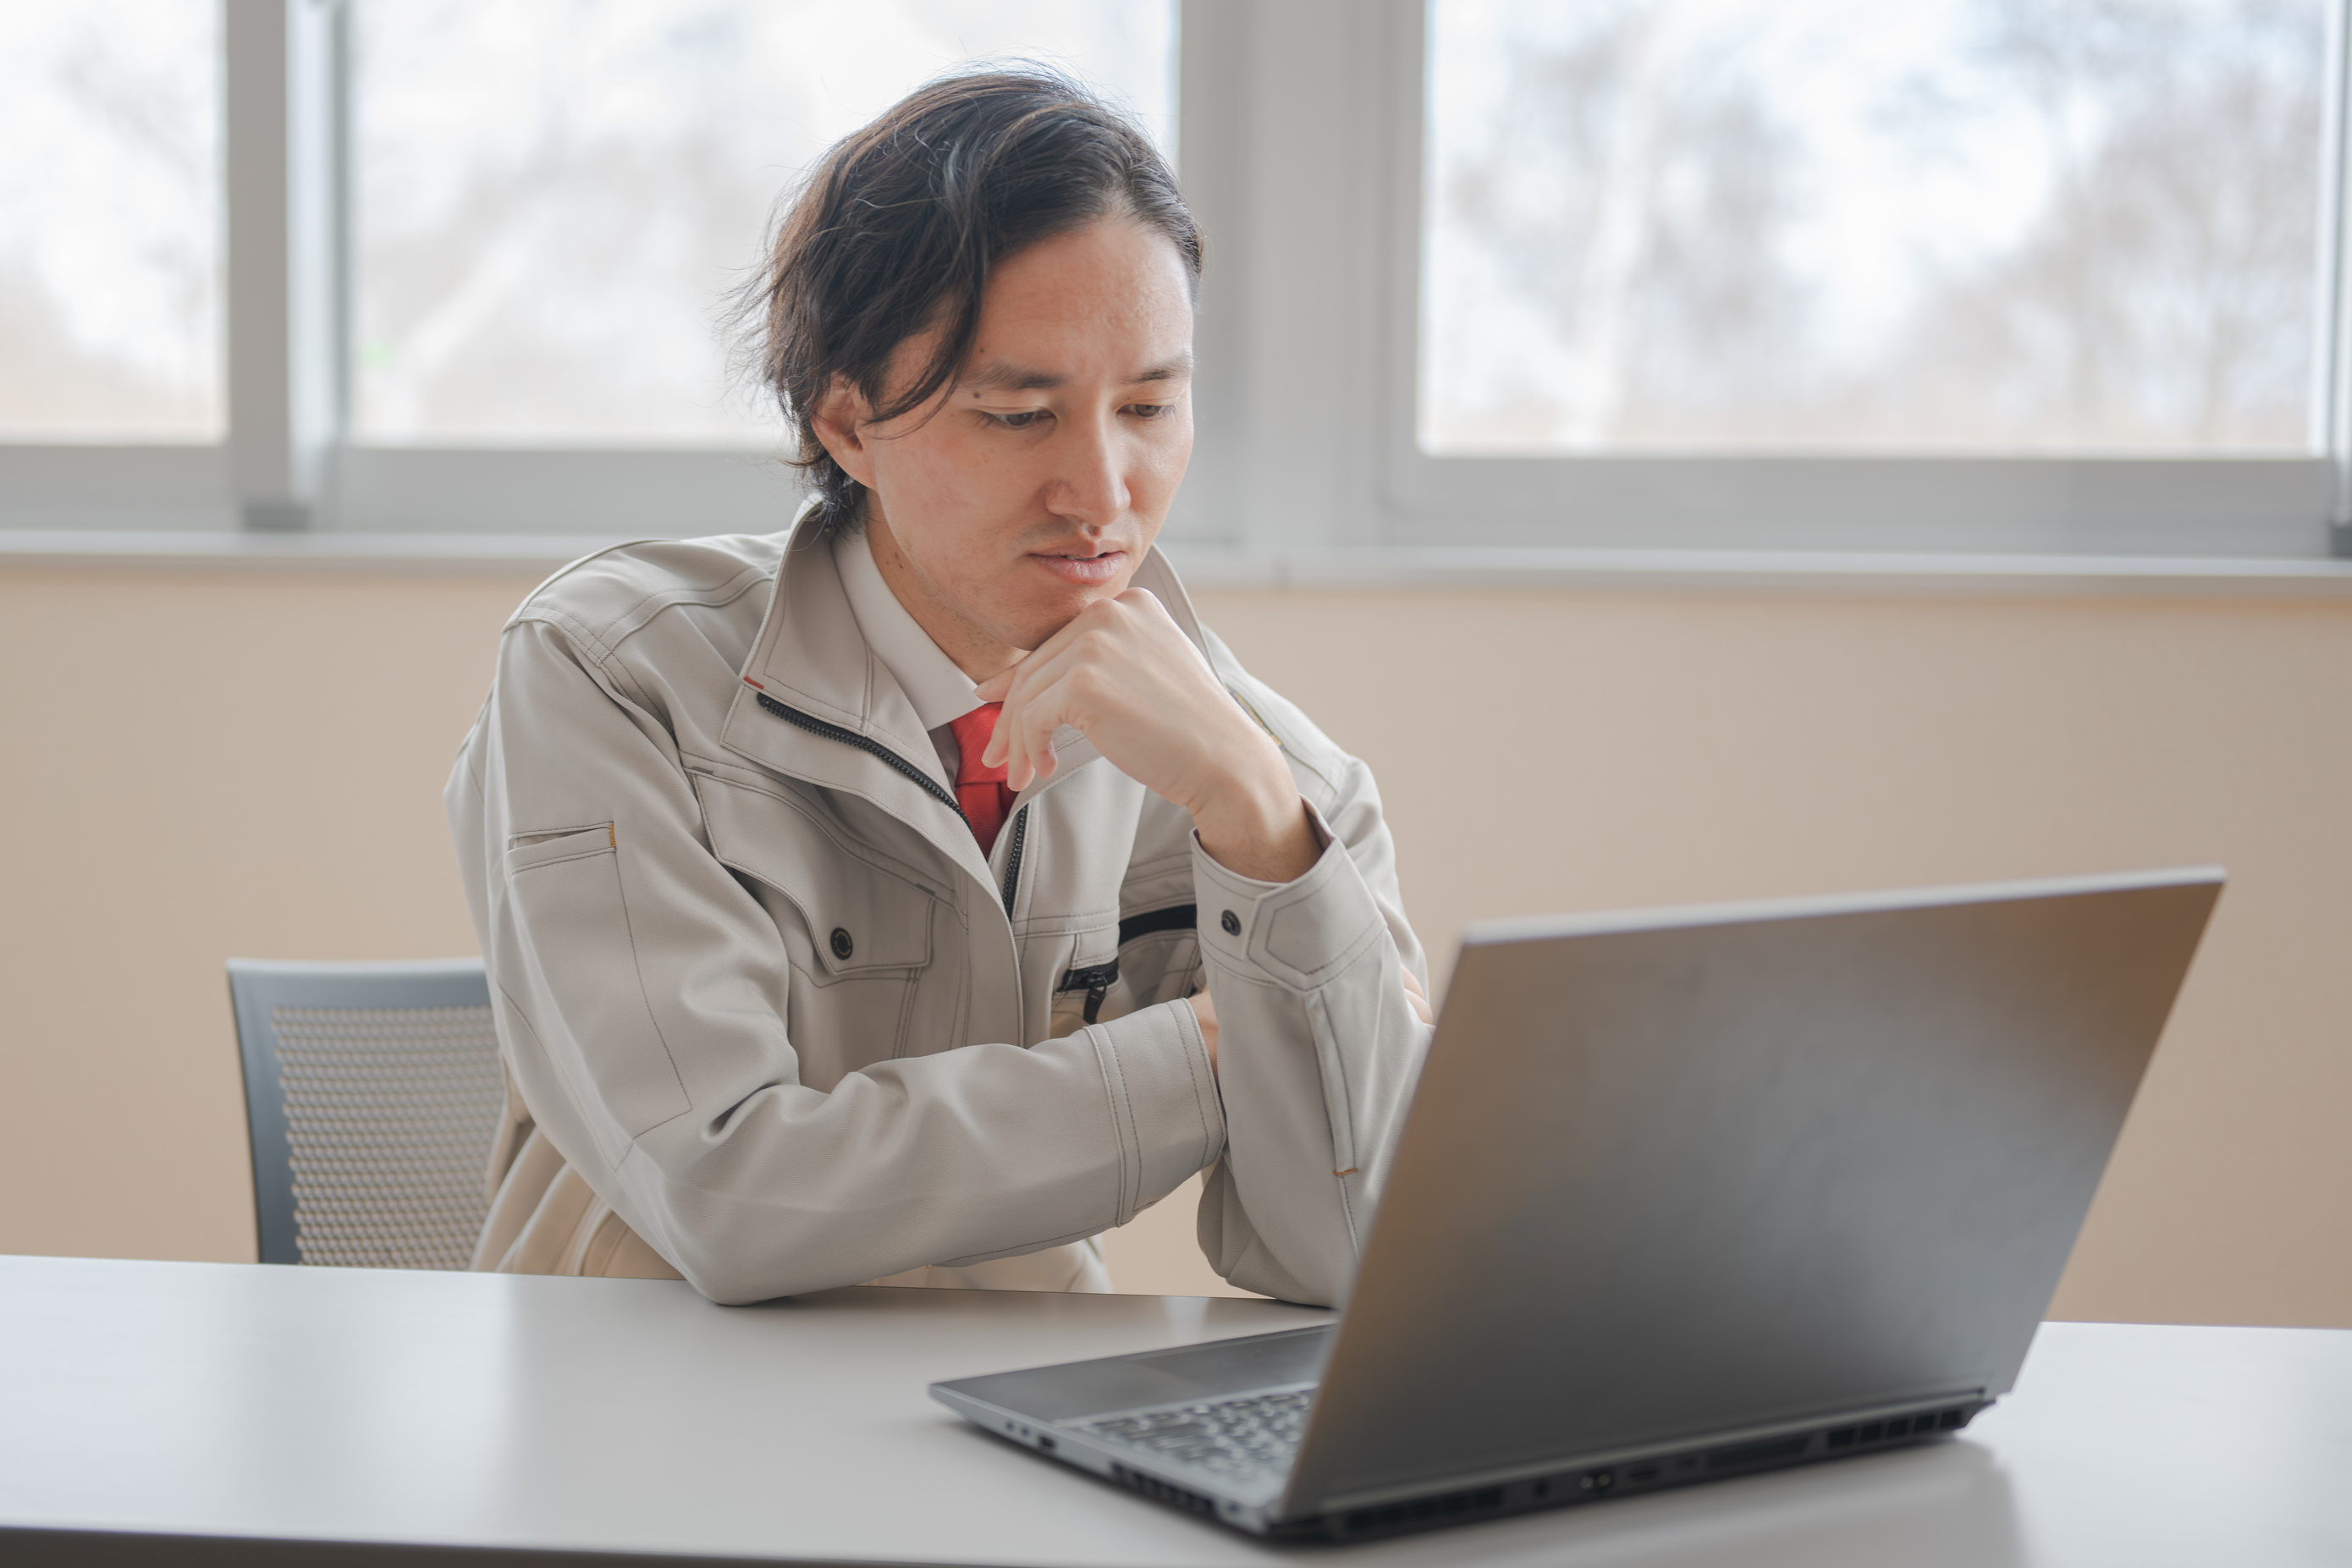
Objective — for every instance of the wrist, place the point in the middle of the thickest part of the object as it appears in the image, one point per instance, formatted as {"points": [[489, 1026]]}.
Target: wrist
{"points": [[1254, 822]]}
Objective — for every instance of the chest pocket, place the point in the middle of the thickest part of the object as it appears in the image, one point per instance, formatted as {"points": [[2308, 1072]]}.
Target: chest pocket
{"points": [[858, 913]]}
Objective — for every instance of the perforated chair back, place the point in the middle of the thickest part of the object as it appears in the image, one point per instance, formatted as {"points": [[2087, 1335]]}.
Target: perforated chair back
{"points": [[372, 1091]]}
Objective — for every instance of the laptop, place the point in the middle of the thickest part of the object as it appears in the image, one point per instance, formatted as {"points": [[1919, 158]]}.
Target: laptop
{"points": [[1683, 1195]]}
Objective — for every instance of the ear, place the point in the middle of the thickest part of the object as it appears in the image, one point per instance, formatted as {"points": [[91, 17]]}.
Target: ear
{"points": [[839, 419]]}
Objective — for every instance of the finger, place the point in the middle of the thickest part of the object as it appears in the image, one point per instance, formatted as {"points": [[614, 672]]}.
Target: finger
{"points": [[1162, 629], [1007, 747], [1415, 996], [1015, 686], [1032, 680], [1028, 735]]}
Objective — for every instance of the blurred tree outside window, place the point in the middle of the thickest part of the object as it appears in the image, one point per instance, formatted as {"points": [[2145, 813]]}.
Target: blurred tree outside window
{"points": [[110, 221], [1987, 227], [554, 197]]}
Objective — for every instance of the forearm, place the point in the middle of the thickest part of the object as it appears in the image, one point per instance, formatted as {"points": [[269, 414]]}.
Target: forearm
{"points": [[980, 1152], [1319, 1050]]}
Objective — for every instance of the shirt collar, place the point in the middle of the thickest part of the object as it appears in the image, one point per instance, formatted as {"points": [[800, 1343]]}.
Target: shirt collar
{"points": [[939, 692]]}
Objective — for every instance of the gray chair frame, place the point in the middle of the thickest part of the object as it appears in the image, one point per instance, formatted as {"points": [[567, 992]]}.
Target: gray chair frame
{"points": [[257, 988]]}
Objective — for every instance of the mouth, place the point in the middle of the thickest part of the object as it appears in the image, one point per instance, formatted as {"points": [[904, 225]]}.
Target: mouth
{"points": [[1083, 566]]}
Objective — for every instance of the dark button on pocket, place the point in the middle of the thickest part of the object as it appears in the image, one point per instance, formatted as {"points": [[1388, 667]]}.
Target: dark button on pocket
{"points": [[842, 946], [1230, 922]]}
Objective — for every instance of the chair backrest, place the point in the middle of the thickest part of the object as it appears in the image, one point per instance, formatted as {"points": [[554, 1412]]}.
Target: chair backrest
{"points": [[371, 1093]]}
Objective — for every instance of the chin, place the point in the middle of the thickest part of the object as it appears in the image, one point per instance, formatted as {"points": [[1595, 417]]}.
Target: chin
{"points": [[1049, 613]]}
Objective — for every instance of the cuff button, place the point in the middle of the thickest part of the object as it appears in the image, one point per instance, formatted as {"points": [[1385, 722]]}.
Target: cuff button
{"points": [[842, 946], [1230, 922]]}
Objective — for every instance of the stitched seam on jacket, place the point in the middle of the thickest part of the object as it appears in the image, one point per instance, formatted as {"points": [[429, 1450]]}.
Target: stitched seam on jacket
{"points": [[637, 964], [1131, 1183], [566, 859], [574, 627], [906, 1016], [1267, 906], [1319, 1019], [1020, 1249], [887, 864], [1143, 870], [530, 837], [563, 1082], [1195, 1056], [1114, 1084], [628, 623], [1324, 973]]}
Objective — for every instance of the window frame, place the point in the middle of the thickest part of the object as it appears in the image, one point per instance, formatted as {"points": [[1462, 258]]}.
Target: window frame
{"points": [[1349, 251], [1302, 144], [2060, 505]]}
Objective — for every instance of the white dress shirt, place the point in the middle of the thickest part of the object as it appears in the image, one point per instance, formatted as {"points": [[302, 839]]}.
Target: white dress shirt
{"points": [[941, 692]]}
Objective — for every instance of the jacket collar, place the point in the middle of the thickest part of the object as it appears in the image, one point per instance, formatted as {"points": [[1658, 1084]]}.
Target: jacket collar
{"points": [[810, 656]]}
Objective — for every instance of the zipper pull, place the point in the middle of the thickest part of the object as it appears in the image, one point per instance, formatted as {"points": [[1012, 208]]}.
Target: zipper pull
{"points": [[1095, 981]]}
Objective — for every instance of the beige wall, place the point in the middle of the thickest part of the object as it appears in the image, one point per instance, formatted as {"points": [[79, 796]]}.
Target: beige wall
{"points": [[218, 763]]}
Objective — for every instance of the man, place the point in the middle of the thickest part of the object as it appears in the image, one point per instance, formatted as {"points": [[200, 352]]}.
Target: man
{"points": [[814, 964]]}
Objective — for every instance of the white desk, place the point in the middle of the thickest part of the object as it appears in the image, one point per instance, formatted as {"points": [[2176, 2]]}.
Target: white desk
{"points": [[611, 1415]]}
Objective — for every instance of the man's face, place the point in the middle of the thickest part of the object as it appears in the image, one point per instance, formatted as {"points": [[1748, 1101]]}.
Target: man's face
{"points": [[1033, 489]]}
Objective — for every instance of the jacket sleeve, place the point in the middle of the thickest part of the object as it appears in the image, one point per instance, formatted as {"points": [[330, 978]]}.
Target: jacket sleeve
{"points": [[1318, 1048], [640, 993]]}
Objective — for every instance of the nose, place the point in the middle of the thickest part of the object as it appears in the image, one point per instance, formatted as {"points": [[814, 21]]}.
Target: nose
{"points": [[1088, 486]]}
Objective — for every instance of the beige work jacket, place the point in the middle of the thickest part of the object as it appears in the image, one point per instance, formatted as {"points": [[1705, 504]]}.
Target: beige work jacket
{"points": [[772, 1022]]}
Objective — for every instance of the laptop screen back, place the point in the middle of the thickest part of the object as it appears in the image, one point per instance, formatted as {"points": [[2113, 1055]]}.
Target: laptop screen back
{"points": [[1670, 1176]]}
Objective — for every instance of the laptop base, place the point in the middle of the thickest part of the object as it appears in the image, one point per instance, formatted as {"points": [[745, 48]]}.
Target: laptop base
{"points": [[1570, 1486]]}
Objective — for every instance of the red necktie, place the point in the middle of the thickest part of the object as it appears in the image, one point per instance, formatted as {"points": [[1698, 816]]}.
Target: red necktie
{"points": [[980, 790]]}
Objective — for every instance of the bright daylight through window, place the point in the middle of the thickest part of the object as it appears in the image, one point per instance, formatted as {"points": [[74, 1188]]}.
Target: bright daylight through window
{"points": [[2006, 227], [552, 197], [111, 221]]}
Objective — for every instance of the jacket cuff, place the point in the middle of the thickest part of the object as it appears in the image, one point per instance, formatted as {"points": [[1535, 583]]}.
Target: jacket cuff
{"points": [[1298, 934], [1164, 1106]]}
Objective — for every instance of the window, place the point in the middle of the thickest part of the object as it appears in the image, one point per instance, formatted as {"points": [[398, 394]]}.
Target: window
{"points": [[1856, 275], [552, 197], [1849, 226], [1494, 286], [109, 251]]}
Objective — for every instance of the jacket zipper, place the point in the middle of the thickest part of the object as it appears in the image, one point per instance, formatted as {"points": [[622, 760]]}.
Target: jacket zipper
{"points": [[851, 738], [1095, 981], [1012, 860]]}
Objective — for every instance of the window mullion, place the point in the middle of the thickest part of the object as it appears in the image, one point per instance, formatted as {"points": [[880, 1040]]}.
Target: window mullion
{"points": [[284, 254], [2333, 400]]}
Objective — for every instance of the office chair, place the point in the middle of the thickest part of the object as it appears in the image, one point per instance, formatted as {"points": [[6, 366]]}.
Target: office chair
{"points": [[372, 1094]]}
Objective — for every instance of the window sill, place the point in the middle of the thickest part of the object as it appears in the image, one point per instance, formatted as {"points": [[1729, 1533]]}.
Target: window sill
{"points": [[1889, 573]]}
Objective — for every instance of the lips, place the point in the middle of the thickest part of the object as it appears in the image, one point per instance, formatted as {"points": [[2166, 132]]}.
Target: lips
{"points": [[1088, 571]]}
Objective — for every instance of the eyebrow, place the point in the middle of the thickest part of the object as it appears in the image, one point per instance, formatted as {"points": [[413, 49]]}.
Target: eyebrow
{"points": [[999, 376]]}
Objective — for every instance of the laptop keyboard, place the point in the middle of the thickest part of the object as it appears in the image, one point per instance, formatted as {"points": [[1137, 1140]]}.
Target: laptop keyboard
{"points": [[1242, 1440]]}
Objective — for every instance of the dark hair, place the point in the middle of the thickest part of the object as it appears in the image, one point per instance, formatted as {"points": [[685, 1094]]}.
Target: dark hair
{"points": [[896, 227]]}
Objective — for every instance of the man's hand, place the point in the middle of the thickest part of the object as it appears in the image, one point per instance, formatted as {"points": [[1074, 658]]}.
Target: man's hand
{"points": [[1417, 998], [1125, 676], [1204, 1008]]}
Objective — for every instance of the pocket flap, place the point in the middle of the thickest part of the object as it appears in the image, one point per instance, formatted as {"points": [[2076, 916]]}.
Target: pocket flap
{"points": [[527, 850], [860, 914]]}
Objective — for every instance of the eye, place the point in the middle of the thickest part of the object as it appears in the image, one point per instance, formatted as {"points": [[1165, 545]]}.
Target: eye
{"points": [[1026, 419], [1150, 410]]}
